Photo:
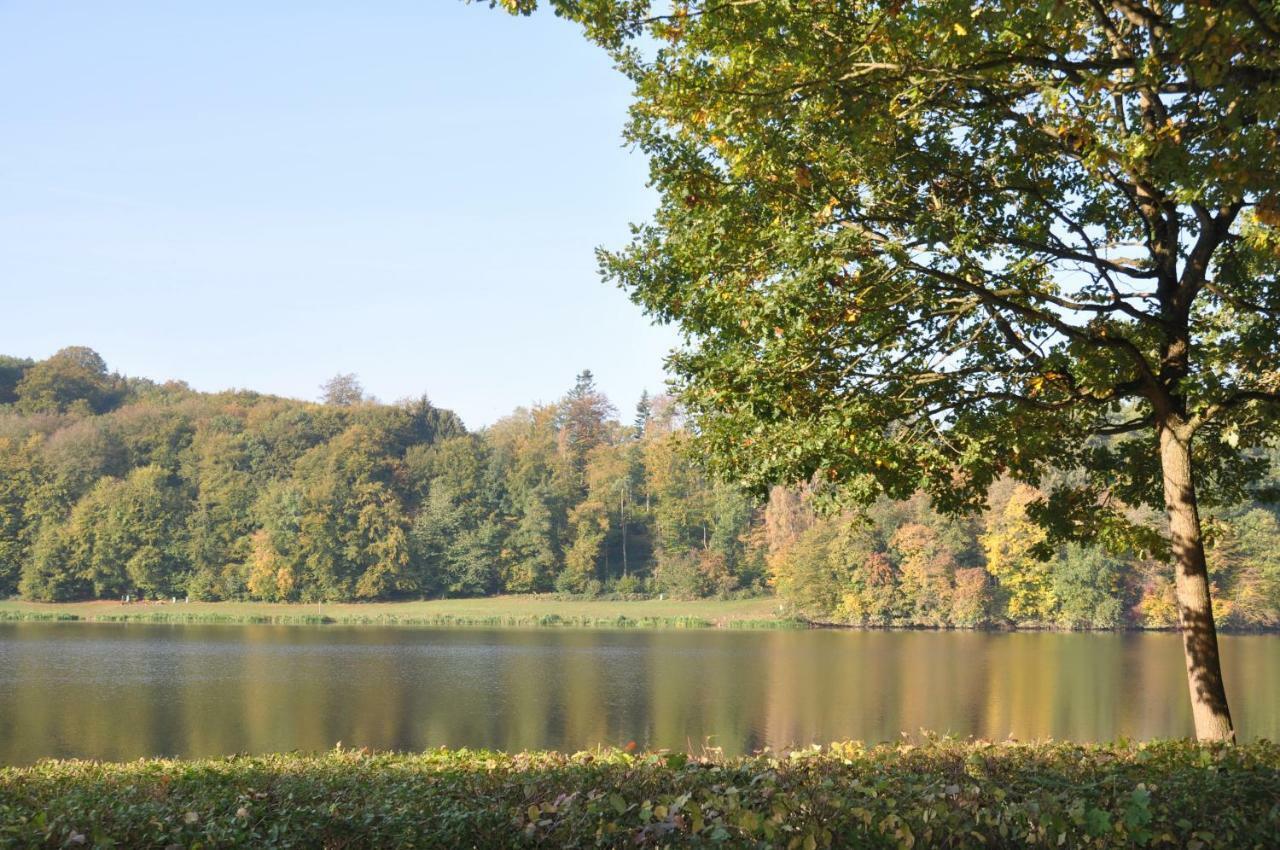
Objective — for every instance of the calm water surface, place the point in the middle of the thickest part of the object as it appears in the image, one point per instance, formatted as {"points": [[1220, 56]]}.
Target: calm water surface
{"points": [[120, 691]]}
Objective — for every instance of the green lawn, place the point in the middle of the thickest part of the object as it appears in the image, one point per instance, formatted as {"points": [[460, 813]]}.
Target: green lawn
{"points": [[533, 610], [1170, 794]]}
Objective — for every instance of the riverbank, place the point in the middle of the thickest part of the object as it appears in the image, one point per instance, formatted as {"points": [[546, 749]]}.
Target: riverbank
{"points": [[941, 794], [494, 612], [512, 611]]}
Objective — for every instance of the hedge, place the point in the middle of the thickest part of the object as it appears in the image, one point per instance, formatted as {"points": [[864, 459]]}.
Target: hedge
{"points": [[942, 793]]}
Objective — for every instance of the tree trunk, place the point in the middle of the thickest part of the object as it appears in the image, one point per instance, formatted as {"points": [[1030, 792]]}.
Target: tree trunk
{"points": [[1191, 576], [622, 513]]}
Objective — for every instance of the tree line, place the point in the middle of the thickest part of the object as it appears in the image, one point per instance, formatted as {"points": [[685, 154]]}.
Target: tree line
{"points": [[114, 486], [903, 563]]}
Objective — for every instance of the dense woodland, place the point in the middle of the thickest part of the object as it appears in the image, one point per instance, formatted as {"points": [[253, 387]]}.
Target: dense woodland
{"points": [[113, 486]]}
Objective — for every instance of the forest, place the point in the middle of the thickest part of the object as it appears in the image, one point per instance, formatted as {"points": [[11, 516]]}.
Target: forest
{"points": [[114, 486]]}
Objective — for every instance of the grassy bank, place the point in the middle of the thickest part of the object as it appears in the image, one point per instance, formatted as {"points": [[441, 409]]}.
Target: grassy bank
{"points": [[498, 611], [941, 794]]}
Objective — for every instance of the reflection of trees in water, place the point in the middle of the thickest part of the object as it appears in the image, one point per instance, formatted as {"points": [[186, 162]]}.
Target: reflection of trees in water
{"points": [[530, 687], [130, 691]]}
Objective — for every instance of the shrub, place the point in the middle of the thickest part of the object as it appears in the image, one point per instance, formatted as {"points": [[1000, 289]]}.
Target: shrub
{"points": [[628, 585]]}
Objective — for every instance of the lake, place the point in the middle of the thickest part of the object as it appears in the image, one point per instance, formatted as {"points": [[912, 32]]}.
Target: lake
{"points": [[121, 691]]}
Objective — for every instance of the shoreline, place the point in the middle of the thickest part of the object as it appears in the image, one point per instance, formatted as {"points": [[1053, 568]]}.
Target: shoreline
{"points": [[486, 612], [517, 612]]}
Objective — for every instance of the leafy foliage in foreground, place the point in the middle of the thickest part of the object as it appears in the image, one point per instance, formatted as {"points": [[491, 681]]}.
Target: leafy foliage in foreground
{"points": [[941, 794]]}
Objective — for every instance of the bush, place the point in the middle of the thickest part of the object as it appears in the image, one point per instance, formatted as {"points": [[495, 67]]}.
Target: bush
{"points": [[942, 794], [628, 585], [680, 575]]}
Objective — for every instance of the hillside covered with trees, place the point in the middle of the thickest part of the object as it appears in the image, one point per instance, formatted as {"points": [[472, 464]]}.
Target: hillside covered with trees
{"points": [[114, 486]]}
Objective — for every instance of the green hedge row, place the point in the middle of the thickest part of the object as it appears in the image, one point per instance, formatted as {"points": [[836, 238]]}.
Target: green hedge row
{"points": [[943, 793]]}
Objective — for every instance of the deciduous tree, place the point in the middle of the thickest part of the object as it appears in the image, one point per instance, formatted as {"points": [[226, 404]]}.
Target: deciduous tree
{"points": [[342, 390], [1010, 542], [73, 379]]}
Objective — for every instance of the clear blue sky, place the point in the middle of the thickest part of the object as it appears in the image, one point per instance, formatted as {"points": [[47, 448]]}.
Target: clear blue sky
{"points": [[262, 195]]}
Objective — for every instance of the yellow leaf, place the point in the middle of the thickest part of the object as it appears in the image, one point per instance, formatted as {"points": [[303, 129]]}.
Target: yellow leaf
{"points": [[1268, 211]]}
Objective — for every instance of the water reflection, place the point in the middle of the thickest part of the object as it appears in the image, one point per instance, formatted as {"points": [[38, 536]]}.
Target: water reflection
{"points": [[121, 691]]}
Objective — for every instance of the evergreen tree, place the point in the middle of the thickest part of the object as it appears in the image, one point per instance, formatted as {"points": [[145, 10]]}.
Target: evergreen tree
{"points": [[644, 410], [584, 415]]}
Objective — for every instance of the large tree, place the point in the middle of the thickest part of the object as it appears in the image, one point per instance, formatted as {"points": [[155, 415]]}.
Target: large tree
{"points": [[73, 379], [922, 245], [342, 390]]}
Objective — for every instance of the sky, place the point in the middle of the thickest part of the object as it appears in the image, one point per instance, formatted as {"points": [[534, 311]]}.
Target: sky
{"points": [[263, 195]]}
